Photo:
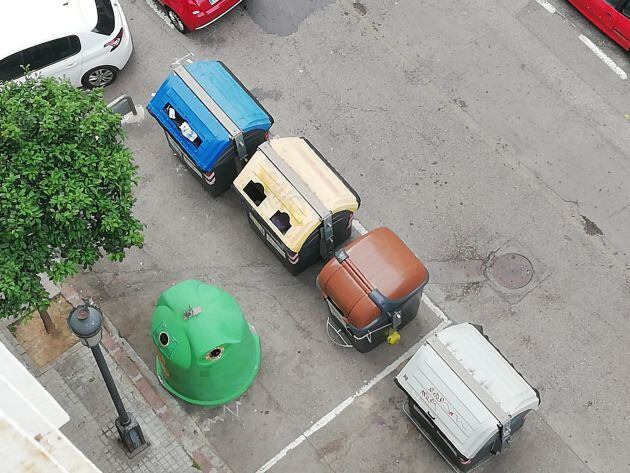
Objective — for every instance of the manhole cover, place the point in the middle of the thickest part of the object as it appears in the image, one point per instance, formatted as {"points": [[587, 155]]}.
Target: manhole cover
{"points": [[512, 270]]}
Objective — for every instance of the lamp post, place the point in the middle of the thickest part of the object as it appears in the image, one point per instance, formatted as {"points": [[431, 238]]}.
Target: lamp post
{"points": [[86, 323]]}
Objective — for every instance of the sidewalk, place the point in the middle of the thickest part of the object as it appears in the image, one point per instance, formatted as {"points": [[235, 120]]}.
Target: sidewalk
{"points": [[73, 379]]}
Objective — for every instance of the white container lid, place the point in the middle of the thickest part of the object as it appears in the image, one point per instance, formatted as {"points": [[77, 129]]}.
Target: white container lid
{"points": [[465, 406]]}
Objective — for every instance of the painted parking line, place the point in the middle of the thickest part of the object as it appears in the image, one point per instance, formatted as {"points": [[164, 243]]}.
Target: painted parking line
{"points": [[589, 44], [358, 227], [553, 10], [547, 6], [605, 59], [326, 419]]}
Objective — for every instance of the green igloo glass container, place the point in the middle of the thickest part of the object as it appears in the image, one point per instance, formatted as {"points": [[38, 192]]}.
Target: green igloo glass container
{"points": [[207, 353]]}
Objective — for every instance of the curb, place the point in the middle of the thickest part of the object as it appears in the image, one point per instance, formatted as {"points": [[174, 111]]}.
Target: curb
{"points": [[179, 423]]}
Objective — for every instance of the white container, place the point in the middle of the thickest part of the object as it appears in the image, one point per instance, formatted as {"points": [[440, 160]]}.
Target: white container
{"points": [[464, 396]]}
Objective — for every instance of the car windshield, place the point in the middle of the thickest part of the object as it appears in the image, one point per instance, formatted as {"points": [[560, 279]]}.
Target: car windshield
{"points": [[106, 21], [11, 67]]}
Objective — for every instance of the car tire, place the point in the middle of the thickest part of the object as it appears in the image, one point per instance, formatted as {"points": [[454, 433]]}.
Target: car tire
{"points": [[176, 21], [100, 76]]}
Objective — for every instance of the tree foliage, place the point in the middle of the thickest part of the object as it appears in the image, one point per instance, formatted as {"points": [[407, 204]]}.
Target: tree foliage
{"points": [[66, 182]]}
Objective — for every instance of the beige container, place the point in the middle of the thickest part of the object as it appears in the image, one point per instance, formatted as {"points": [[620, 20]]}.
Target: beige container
{"points": [[296, 201]]}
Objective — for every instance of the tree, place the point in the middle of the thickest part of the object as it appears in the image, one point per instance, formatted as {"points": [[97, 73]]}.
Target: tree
{"points": [[66, 181]]}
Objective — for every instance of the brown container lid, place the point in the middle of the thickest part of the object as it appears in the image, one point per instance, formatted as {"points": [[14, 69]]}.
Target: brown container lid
{"points": [[377, 260]]}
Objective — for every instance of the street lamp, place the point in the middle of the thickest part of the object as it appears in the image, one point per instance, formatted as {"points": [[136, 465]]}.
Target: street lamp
{"points": [[86, 323]]}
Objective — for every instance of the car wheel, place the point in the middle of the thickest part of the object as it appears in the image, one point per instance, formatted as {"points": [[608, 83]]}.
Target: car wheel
{"points": [[177, 22], [100, 76]]}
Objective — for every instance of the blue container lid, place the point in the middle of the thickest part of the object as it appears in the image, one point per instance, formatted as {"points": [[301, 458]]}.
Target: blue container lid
{"points": [[212, 137]]}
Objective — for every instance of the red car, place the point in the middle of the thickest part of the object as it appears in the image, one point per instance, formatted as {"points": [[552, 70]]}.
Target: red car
{"points": [[610, 16], [188, 15]]}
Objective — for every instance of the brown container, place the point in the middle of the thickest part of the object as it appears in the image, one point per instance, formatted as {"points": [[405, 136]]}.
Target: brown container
{"points": [[372, 286]]}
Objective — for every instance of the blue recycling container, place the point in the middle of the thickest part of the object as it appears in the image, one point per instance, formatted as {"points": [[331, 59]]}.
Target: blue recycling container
{"points": [[211, 121]]}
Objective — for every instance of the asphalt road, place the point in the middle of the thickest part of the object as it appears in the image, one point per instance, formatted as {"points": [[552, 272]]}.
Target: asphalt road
{"points": [[471, 129]]}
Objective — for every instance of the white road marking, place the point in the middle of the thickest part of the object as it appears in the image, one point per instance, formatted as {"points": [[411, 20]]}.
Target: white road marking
{"points": [[159, 13], [435, 309], [606, 60], [326, 419], [547, 6], [553, 10], [358, 226]]}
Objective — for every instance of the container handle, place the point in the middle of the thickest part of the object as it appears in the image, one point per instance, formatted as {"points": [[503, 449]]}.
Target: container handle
{"points": [[344, 343]]}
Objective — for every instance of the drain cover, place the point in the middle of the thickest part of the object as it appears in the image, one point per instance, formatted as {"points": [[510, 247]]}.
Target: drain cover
{"points": [[512, 270]]}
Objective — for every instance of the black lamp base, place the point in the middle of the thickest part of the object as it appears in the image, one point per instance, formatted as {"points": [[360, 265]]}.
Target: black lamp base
{"points": [[131, 437]]}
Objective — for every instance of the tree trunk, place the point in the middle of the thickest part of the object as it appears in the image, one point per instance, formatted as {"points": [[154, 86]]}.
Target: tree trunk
{"points": [[47, 321]]}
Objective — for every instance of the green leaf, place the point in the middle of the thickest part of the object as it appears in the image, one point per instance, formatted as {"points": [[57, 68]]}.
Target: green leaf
{"points": [[66, 188]]}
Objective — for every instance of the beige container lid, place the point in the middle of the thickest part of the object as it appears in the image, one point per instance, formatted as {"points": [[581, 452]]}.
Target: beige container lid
{"points": [[281, 196]]}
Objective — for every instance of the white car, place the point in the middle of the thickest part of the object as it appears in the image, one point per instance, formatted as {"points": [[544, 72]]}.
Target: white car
{"points": [[84, 41]]}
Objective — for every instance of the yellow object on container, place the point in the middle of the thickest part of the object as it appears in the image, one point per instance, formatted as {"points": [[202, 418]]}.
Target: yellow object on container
{"points": [[393, 337], [281, 196]]}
